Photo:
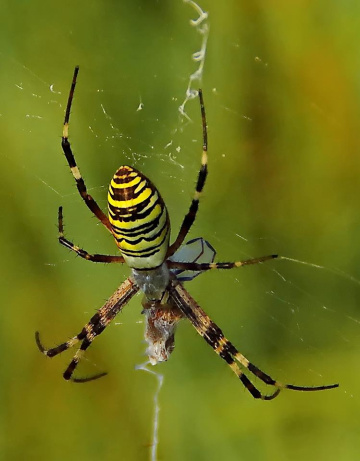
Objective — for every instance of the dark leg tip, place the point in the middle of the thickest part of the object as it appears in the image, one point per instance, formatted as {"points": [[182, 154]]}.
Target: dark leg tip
{"points": [[272, 396], [67, 375], [38, 343], [85, 380]]}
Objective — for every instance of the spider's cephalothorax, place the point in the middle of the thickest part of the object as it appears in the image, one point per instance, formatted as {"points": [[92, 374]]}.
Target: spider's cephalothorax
{"points": [[139, 222]]}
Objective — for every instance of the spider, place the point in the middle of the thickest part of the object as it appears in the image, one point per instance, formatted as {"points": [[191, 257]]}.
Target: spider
{"points": [[139, 222]]}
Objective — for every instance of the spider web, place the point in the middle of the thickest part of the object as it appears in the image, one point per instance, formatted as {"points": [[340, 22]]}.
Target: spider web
{"points": [[305, 305]]}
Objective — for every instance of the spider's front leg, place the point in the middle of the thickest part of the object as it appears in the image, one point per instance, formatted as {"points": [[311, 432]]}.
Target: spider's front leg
{"points": [[225, 349], [93, 328]]}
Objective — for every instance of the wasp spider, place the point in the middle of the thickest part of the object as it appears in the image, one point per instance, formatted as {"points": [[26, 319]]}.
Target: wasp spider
{"points": [[139, 222]]}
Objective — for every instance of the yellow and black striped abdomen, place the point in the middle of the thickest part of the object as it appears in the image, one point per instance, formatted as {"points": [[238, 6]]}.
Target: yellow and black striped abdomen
{"points": [[139, 219]]}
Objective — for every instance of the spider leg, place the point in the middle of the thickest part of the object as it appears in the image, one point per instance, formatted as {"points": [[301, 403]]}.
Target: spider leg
{"points": [[191, 215], [209, 266], [97, 258], [65, 144], [225, 349], [93, 328]]}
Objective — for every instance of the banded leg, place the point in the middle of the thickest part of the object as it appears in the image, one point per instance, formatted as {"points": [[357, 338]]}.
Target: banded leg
{"points": [[209, 266], [97, 258], [225, 349], [191, 215], [65, 144], [93, 328]]}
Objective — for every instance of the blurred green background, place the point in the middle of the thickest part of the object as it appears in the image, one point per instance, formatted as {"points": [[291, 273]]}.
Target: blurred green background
{"points": [[281, 87]]}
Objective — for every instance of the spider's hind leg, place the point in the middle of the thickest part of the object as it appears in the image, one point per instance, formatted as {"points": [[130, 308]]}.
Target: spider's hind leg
{"points": [[66, 147], [200, 183]]}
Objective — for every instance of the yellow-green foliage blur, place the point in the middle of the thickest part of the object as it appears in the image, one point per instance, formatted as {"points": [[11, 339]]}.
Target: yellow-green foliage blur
{"points": [[281, 88]]}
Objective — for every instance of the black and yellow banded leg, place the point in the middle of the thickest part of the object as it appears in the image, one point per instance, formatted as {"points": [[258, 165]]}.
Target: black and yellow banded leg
{"points": [[212, 335], [225, 349], [266, 378], [93, 328], [61, 347], [98, 258], [65, 144], [191, 215], [210, 266], [76, 359]]}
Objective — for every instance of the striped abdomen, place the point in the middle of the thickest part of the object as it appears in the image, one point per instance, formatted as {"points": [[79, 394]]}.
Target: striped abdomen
{"points": [[139, 219]]}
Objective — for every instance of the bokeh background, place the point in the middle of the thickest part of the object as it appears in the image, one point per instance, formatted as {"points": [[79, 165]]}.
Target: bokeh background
{"points": [[281, 86]]}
